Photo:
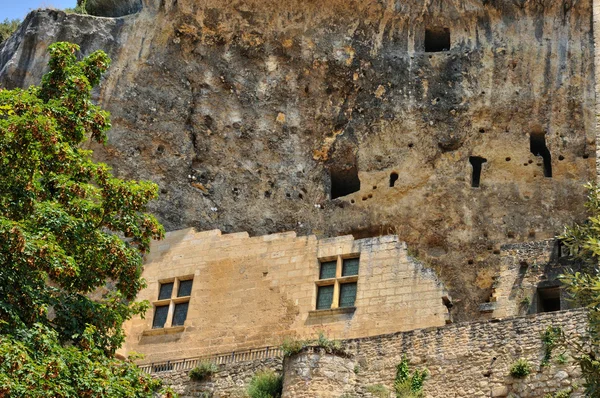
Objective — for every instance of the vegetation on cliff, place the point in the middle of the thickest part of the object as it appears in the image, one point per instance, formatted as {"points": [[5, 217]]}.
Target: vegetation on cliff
{"points": [[71, 240], [583, 241], [7, 28]]}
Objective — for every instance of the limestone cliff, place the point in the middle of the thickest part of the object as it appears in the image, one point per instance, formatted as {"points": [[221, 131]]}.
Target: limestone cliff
{"points": [[460, 125]]}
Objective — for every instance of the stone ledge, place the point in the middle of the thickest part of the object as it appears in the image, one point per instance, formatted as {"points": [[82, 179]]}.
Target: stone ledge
{"points": [[334, 311], [156, 332]]}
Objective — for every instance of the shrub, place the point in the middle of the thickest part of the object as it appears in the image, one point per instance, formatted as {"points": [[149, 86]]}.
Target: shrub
{"points": [[266, 384], [329, 345], [560, 394], [292, 346], [520, 369], [551, 337], [203, 370], [379, 391], [407, 385]]}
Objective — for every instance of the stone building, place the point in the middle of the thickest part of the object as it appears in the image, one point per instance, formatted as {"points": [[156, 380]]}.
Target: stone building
{"points": [[466, 128], [214, 293]]}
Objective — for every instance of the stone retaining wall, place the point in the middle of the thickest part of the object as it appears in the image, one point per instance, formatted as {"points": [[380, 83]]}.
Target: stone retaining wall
{"points": [[230, 381], [463, 360]]}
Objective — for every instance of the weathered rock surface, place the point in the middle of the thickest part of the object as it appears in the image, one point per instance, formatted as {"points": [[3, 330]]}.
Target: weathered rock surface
{"points": [[244, 111], [113, 8]]}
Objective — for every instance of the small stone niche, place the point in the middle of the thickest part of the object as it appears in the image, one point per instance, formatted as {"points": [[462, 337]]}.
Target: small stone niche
{"points": [[393, 179], [344, 180], [437, 40], [548, 299], [476, 163], [537, 145]]}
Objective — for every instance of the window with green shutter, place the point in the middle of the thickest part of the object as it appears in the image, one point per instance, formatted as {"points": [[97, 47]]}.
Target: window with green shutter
{"points": [[160, 316], [350, 266], [324, 297], [328, 269], [347, 294]]}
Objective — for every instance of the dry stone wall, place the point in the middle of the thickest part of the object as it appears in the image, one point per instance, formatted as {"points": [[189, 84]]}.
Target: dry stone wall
{"points": [[231, 380], [464, 360], [473, 359]]}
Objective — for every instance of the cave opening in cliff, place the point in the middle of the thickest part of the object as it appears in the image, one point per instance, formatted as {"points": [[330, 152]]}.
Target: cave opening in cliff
{"points": [[344, 181], [537, 145], [393, 179], [548, 299], [437, 39], [476, 163]]}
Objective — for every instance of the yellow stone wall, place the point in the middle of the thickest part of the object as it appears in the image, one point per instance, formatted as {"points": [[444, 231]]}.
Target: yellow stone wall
{"points": [[253, 292]]}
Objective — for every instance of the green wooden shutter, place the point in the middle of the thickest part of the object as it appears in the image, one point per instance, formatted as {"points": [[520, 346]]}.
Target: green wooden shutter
{"points": [[347, 294], [160, 316], [350, 266], [180, 313], [324, 297], [328, 270], [166, 289]]}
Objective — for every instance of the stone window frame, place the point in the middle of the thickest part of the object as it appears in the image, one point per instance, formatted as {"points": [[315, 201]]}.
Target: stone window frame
{"points": [[172, 301], [337, 281]]}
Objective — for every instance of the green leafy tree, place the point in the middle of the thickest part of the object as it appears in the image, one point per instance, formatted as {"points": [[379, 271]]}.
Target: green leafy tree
{"points": [[72, 238], [8, 27], [583, 242], [67, 226], [33, 363]]}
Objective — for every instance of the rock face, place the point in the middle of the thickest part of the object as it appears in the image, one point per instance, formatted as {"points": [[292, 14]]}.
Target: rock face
{"points": [[113, 8], [457, 124]]}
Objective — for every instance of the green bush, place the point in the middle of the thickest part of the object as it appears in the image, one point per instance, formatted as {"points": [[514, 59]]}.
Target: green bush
{"points": [[329, 345], [34, 364], [266, 384], [407, 385], [551, 338], [292, 346], [203, 370], [560, 394], [520, 369], [7, 28], [379, 391]]}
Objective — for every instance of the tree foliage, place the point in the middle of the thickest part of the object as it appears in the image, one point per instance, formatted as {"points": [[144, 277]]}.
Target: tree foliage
{"points": [[583, 242], [34, 364], [72, 238], [8, 27], [67, 226]]}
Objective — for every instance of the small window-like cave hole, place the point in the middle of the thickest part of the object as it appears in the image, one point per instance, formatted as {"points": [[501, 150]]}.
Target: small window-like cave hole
{"points": [[437, 39], [476, 162], [393, 179], [537, 145], [344, 181], [548, 299]]}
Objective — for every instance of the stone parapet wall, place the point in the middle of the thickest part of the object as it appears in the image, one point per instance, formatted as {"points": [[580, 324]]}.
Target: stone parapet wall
{"points": [[464, 360], [230, 381], [473, 359], [318, 372]]}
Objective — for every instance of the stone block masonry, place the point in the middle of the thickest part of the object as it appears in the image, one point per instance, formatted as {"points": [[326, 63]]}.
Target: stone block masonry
{"points": [[251, 292]]}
